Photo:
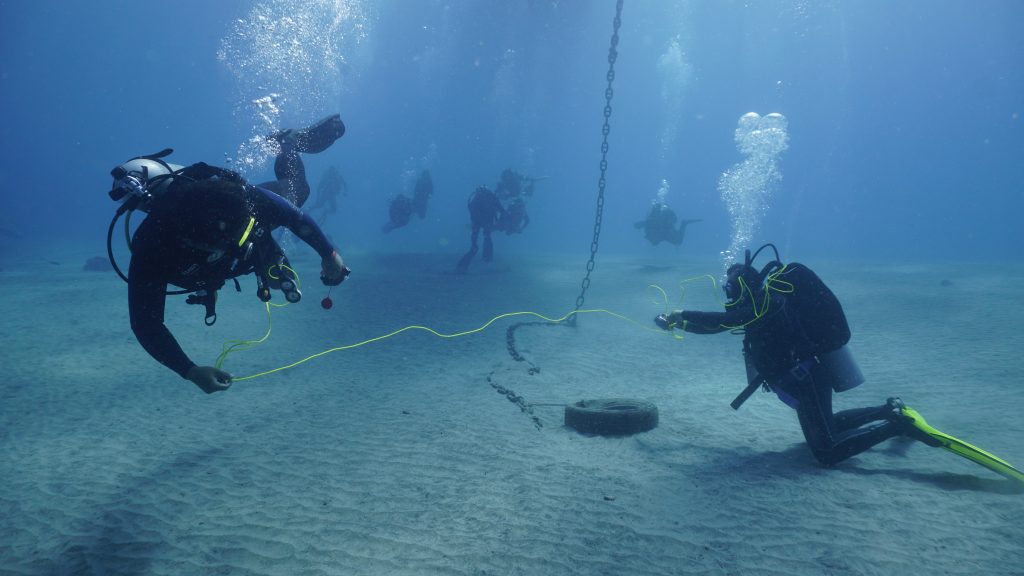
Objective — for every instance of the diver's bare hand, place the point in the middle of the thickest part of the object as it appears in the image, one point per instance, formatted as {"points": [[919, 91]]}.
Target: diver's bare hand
{"points": [[333, 270], [209, 379]]}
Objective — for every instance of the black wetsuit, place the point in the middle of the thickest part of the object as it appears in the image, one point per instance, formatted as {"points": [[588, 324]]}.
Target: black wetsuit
{"points": [[515, 219], [660, 226], [160, 258], [781, 344], [399, 212], [485, 211]]}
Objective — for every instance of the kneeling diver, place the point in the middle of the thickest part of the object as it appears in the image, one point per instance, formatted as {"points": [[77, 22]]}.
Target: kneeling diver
{"points": [[794, 344]]}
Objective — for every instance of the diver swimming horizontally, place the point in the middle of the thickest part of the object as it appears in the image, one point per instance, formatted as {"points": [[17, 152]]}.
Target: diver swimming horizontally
{"points": [[206, 225], [660, 225]]}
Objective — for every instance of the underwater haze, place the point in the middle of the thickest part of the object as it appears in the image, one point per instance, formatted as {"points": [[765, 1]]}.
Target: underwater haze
{"points": [[905, 136], [410, 420]]}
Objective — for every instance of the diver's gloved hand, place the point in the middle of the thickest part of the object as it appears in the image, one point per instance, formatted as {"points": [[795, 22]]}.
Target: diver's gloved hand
{"points": [[209, 379], [333, 270], [669, 321]]}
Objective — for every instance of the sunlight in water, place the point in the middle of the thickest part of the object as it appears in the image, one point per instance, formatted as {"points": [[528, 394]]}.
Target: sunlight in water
{"points": [[289, 61]]}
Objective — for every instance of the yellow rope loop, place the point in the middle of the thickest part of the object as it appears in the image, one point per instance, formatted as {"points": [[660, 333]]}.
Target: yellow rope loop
{"points": [[232, 346], [682, 298], [758, 312], [682, 289], [663, 299], [774, 283], [270, 274]]}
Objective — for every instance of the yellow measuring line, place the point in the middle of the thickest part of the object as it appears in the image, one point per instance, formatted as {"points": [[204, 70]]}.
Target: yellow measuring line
{"points": [[239, 345]]}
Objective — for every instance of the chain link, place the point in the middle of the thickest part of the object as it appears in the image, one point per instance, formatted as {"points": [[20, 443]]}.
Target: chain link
{"points": [[613, 54]]}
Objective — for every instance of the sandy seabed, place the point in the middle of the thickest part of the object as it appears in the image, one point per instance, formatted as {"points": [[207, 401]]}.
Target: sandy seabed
{"points": [[410, 456]]}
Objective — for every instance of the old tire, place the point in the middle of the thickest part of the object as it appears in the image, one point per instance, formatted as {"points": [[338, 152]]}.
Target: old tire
{"points": [[612, 416]]}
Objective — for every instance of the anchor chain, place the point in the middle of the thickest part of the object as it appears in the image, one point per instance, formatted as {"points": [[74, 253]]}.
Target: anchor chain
{"points": [[613, 55], [510, 338]]}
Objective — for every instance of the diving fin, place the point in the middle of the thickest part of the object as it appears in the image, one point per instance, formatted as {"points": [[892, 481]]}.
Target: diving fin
{"points": [[929, 435], [313, 139]]}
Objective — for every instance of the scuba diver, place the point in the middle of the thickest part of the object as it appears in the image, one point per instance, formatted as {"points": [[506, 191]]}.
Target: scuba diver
{"points": [[422, 193], [512, 190], [485, 211], [794, 344], [515, 219], [399, 212], [512, 184], [207, 225], [331, 186], [401, 207], [660, 225]]}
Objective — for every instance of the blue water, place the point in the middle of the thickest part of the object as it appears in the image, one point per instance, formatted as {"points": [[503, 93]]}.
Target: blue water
{"points": [[905, 136], [897, 174]]}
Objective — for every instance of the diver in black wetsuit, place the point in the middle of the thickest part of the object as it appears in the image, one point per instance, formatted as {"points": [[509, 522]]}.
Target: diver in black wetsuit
{"points": [[206, 225], [515, 219], [399, 212], [794, 343], [401, 207], [660, 225], [485, 211]]}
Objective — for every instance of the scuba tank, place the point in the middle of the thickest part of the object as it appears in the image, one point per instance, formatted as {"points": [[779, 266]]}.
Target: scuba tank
{"points": [[139, 180], [136, 183]]}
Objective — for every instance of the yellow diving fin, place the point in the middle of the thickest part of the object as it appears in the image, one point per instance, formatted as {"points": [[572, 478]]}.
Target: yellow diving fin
{"points": [[961, 448]]}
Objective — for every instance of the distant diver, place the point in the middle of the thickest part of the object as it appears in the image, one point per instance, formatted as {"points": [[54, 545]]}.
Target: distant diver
{"points": [[512, 190], [332, 185], [515, 219], [660, 225], [512, 184], [422, 193], [485, 211], [399, 212]]}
